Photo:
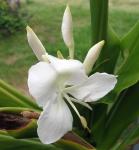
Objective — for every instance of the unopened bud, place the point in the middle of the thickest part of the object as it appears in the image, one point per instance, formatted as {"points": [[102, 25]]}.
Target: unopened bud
{"points": [[67, 31], [35, 44], [92, 56]]}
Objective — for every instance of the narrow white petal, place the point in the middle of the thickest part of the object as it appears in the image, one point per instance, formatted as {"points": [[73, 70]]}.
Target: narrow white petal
{"points": [[55, 121], [92, 56], [71, 71], [42, 83], [67, 31], [35, 44], [96, 87]]}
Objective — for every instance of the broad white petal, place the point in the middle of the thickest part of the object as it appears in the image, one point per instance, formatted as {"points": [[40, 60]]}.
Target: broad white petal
{"points": [[42, 83], [92, 56], [55, 121], [67, 32], [35, 44], [96, 87], [71, 71]]}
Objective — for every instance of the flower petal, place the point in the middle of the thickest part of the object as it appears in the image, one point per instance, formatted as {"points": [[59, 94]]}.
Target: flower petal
{"points": [[71, 71], [96, 87], [41, 83], [35, 44], [55, 121]]}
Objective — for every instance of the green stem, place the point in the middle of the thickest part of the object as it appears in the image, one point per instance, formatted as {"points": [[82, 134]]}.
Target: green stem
{"points": [[99, 20], [99, 27]]}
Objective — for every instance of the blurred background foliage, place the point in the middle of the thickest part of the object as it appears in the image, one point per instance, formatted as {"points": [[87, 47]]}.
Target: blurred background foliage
{"points": [[12, 17], [45, 18]]}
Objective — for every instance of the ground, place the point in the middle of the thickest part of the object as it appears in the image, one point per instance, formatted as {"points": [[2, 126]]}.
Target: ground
{"points": [[16, 56]]}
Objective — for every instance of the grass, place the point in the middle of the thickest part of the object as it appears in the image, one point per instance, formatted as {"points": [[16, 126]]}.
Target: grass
{"points": [[15, 55]]}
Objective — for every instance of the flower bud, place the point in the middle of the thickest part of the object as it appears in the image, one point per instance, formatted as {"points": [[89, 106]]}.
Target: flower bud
{"points": [[92, 56], [35, 44], [67, 31]]}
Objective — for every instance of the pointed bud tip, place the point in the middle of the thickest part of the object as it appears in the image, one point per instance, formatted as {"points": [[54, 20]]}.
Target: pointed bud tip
{"points": [[102, 42], [92, 56], [28, 28], [67, 10], [67, 6]]}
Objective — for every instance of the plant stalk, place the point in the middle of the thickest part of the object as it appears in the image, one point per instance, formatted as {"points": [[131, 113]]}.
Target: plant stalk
{"points": [[99, 20]]}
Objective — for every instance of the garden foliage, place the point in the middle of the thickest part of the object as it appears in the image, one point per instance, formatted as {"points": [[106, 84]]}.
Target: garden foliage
{"points": [[12, 18]]}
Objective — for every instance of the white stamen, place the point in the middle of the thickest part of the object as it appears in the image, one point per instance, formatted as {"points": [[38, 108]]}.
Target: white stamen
{"points": [[81, 103], [72, 105], [82, 119]]}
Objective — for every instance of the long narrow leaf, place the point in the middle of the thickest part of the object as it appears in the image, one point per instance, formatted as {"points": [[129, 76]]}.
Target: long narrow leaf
{"points": [[13, 97], [128, 65], [8, 143], [9, 100], [121, 116]]}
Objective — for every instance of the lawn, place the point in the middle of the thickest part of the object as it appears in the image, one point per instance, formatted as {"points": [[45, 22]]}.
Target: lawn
{"points": [[15, 55]]}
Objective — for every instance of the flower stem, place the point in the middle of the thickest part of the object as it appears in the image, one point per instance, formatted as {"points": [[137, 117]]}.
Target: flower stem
{"points": [[99, 20]]}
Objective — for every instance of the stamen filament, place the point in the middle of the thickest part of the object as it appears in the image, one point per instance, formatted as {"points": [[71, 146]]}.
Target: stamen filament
{"points": [[72, 105], [81, 103], [82, 119]]}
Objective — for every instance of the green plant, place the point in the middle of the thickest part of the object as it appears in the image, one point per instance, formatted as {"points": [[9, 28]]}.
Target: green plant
{"points": [[117, 119], [11, 20]]}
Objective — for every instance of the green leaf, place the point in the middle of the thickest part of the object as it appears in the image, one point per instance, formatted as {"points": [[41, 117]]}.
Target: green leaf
{"points": [[110, 53], [128, 63], [130, 136], [9, 96], [69, 145], [73, 137], [8, 99], [3, 132], [97, 121], [17, 110], [8, 143], [122, 114]]}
